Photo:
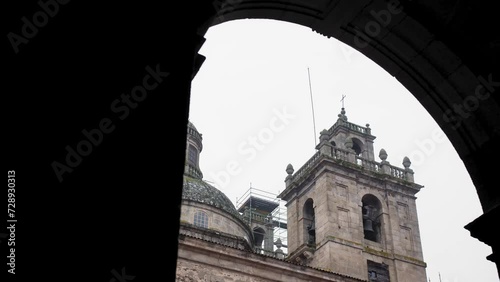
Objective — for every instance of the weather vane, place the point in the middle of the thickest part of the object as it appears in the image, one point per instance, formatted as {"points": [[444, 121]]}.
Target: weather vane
{"points": [[342, 100]]}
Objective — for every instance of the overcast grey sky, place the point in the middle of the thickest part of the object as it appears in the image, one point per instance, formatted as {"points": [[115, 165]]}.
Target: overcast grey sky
{"points": [[251, 102]]}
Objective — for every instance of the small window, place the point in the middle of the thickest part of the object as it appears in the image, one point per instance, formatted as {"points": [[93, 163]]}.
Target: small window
{"points": [[193, 155], [378, 272], [201, 219]]}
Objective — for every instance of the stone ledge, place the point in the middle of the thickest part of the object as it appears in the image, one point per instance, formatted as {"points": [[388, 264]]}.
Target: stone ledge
{"points": [[342, 242], [410, 260]]}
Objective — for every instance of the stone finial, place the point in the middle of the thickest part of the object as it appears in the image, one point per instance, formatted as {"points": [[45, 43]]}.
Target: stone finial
{"points": [[368, 129], [278, 243], [406, 162], [382, 155], [408, 170], [279, 252], [289, 170], [342, 115], [323, 135]]}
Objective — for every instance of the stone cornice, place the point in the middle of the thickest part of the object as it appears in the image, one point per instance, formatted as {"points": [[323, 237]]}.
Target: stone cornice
{"points": [[326, 164]]}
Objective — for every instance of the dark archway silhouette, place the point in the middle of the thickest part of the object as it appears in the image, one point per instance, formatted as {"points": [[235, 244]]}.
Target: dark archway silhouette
{"points": [[65, 77]]}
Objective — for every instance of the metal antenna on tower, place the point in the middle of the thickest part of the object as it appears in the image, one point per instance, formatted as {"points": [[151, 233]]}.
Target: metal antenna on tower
{"points": [[312, 106]]}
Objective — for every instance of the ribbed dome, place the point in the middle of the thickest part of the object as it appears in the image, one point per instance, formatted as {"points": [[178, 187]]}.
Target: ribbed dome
{"points": [[199, 191]]}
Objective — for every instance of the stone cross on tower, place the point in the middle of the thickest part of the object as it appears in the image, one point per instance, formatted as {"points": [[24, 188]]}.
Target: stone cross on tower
{"points": [[342, 100]]}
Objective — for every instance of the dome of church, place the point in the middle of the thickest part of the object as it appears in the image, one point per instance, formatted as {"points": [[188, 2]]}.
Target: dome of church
{"points": [[206, 207], [190, 124], [203, 205], [200, 191]]}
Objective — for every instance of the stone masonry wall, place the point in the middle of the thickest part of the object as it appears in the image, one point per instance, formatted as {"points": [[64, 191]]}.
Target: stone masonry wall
{"points": [[340, 243], [199, 260]]}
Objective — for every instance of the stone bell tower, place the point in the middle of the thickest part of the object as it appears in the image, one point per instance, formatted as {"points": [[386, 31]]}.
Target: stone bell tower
{"points": [[350, 214]]}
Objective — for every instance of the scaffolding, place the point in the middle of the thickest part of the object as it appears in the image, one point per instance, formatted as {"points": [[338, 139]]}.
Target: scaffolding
{"points": [[262, 209]]}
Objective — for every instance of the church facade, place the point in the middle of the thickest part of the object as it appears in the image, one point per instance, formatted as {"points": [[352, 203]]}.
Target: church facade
{"points": [[348, 218]]}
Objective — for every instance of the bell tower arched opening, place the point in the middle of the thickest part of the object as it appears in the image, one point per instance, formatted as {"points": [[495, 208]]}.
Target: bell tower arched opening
{"points": [[371, 211], [309, 223]]}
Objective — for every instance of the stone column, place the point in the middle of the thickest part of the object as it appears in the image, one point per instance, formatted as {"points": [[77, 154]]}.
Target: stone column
{"points": [[324, 146], [269, 237], [351, 156]]}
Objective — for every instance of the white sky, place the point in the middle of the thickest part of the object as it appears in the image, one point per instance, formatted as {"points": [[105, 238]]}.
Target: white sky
{"points": [[257, 67]]}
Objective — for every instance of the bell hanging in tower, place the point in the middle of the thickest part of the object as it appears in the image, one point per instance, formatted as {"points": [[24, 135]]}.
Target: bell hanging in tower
{"points": [[367, 224]]}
